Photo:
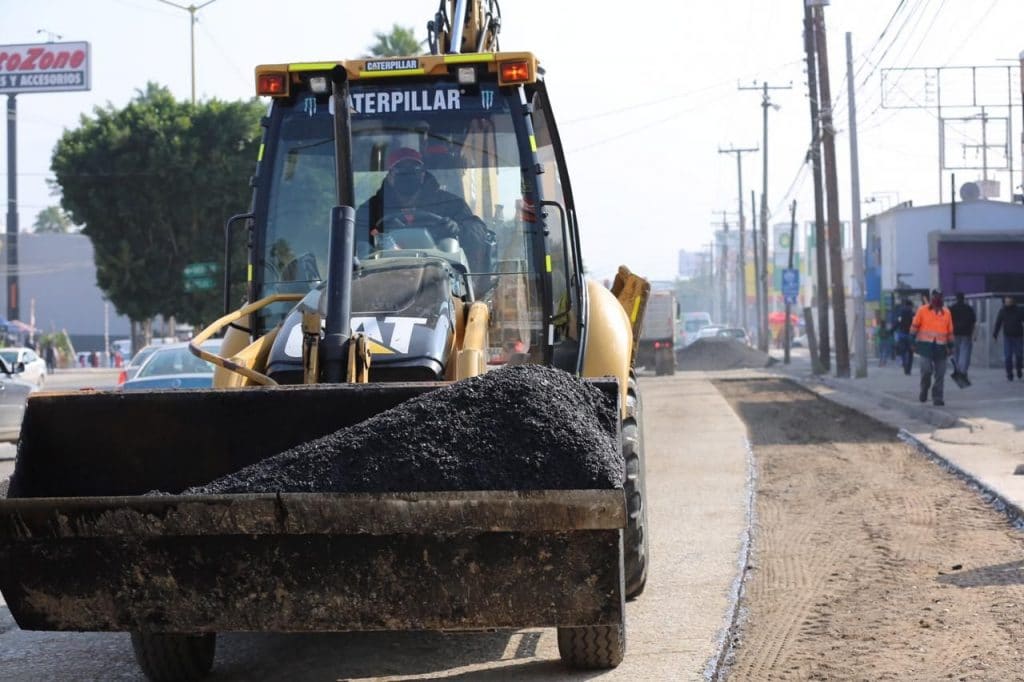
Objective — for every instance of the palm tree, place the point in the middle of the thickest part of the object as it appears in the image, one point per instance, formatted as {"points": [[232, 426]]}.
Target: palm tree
{"points": [[399, 43], [52, 219]]}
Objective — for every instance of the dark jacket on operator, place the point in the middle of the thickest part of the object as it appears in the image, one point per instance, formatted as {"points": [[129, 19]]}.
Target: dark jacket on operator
{"points": [[474, 235], [1011, 320]]}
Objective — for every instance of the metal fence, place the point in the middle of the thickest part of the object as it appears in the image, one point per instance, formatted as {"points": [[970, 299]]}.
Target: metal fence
{"points": [[988, 352]]}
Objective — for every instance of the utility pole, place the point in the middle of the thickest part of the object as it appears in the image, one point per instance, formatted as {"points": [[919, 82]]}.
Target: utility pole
{"points": [[757, 267], [765, 103], [820, 243], [860, 342], [191, 9], [11, 247], [792, 239], [741, 278], [835, 246], [722, 265]]}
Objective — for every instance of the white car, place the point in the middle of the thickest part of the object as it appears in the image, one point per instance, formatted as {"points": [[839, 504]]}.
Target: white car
{"points": [[35, 366], [709, 331]]}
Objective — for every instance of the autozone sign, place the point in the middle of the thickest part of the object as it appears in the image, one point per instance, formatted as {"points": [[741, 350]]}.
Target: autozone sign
{"points": [[44, 67]]}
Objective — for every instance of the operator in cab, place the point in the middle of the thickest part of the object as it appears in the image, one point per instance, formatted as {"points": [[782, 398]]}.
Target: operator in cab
{"points": [[410, 196]]}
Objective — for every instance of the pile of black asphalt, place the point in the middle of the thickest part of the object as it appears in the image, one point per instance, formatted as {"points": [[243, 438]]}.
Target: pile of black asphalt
{"points": [[720, 353], [524, 427]]}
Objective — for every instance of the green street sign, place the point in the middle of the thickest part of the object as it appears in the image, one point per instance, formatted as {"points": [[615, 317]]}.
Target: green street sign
{"points": [[200, 276]]}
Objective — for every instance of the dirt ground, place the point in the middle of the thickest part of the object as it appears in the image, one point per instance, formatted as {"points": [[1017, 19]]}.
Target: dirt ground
{"points": [[868, 561]]}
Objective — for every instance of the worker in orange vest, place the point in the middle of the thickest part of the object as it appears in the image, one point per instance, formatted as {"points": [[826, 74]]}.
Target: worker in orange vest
{"points": [[932, 331]]}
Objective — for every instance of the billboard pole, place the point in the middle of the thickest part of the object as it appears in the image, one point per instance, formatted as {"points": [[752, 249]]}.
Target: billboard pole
{"points": [[11, 246], [39, 67]]}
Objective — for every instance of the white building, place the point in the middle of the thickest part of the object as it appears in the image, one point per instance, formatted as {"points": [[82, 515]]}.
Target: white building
{"points": [[904, 234], [57, 282]]}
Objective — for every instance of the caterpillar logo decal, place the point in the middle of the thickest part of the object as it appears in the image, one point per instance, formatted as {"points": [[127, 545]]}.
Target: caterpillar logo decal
{"points": [[398, 342], [392, 65]]}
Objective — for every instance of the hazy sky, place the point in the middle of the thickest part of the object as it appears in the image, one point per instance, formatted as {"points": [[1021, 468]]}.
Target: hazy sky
{"points": [[645, 94]]}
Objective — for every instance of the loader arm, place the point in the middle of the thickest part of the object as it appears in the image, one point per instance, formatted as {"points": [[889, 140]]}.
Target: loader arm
{"points": [[632, 291]]}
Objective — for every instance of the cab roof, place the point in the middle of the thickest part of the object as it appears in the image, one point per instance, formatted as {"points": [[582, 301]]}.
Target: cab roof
{"points": [[276, 80]]}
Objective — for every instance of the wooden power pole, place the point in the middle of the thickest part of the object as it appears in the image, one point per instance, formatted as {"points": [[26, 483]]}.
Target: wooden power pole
{"points": [[741, 279], [822, 359], [766, 102], [835, 245]]}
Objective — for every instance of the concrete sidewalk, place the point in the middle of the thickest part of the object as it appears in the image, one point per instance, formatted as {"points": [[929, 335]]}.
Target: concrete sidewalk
{"points": [[977, 433]]}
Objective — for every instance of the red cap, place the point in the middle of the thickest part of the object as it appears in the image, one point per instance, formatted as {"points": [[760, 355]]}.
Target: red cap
{"points": [[403, 154]]}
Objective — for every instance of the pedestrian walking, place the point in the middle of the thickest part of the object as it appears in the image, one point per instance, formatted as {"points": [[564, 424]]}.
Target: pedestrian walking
{"points": [[885, 341], [904, 344], [1011, 321], [50, 355], [964, 322], [932, 330]]}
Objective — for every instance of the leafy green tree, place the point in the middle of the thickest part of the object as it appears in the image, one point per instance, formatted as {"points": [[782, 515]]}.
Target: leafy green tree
{"points": [[154, 183], [399, 43], [52, 219]]}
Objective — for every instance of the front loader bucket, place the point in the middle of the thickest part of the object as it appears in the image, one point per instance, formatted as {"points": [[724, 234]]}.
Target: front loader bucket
{"points": [[314, 562], [112, 443], [82, 547]]}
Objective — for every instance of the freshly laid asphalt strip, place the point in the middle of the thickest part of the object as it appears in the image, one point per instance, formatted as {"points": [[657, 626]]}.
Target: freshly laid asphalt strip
{"points": [[523, 427]]}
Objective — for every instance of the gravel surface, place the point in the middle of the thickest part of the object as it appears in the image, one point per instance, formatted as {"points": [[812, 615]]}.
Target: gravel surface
{"points": [[713, 354], [869, 562], [524, 427]]}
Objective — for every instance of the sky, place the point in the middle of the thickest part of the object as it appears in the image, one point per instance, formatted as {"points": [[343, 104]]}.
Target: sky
{"points": [[645, 95]]}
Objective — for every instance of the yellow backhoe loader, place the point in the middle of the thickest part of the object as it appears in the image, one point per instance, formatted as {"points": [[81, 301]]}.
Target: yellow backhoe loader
{"points": [[352, 306]]}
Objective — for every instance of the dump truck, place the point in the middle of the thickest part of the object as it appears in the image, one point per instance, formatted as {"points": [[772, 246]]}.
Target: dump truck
{"points": [[657, 347], [341, 321]]}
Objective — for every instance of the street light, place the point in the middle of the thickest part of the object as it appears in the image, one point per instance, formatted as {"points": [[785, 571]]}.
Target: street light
{"points": [[191, 9], [883, 195]]}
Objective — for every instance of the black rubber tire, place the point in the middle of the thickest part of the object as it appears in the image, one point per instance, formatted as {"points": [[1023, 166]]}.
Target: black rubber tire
{"points": [[659, 363], [665, 363], [635, 540], [174, 658], [670, 362], [594, 647]]}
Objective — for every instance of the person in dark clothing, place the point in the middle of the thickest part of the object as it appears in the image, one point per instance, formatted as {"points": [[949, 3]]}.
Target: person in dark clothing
{"points": [[411, 197], [904, 346], [1011, 321], [51, 358], [964, 320]]}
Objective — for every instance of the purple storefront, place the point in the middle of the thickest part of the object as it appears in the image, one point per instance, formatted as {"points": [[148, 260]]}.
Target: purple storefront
{"points": [[980, 262]]}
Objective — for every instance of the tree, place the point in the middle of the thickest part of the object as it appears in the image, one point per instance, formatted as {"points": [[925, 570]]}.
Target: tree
{"points": [[154, 184], [52, 219], [399, 43]]}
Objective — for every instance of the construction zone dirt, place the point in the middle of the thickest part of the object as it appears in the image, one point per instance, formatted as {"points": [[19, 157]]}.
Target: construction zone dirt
{"points": [[869, 562], [712, 354], [523, 427]]}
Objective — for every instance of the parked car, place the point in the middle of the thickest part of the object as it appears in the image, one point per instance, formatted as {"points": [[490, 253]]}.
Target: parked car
{"points": [[132, 368], [173, 366], [13, 397], [709, 331], [35, 366], [734, 333], [691, 324]]}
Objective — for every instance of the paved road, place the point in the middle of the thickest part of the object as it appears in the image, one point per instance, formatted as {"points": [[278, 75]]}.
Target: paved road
{"points": [[698, 484]]}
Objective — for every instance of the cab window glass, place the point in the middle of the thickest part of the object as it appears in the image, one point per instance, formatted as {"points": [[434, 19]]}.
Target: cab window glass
{"points": [[468, 145], [557, 221]]}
